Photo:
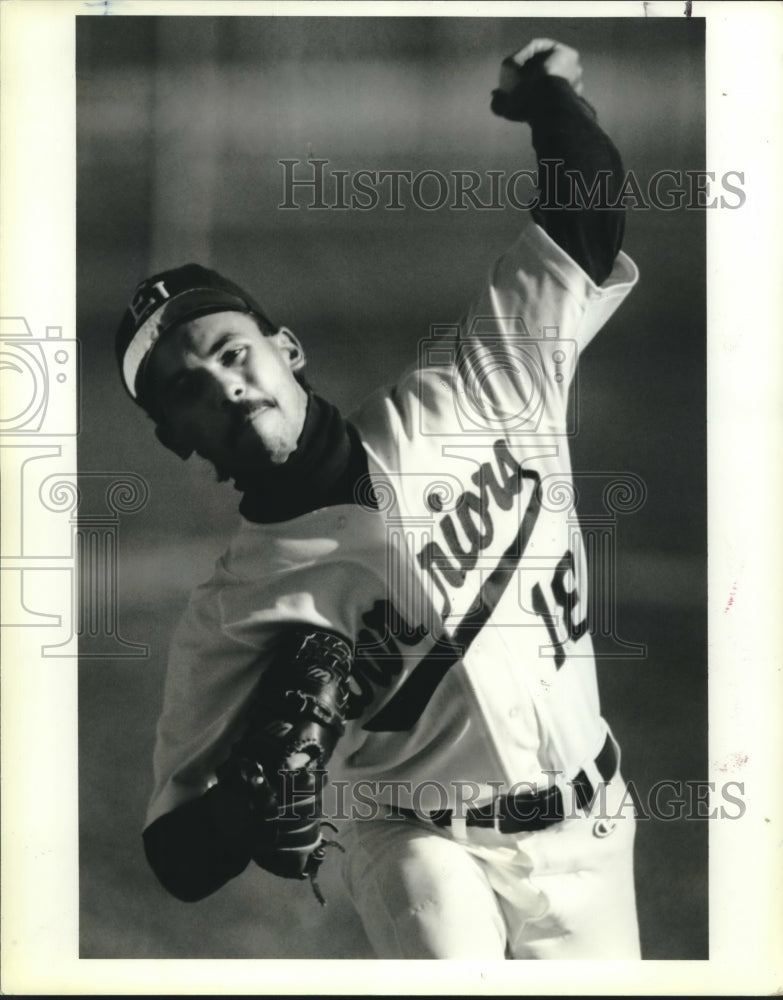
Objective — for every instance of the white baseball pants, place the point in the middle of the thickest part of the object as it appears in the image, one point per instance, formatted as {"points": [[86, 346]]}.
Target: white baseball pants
{"points": [[470, 892]]}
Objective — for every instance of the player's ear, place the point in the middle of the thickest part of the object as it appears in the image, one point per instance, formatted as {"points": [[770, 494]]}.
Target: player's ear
{"points": [[289, 346], [174, 443]]}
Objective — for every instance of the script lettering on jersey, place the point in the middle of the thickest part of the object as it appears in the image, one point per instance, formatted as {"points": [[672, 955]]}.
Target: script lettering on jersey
{"points": [[379, 654], [475, 519], [451, 568]]}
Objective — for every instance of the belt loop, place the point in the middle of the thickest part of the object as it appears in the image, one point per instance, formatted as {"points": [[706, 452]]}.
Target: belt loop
{"points": [[568, 796], [459, 828]]}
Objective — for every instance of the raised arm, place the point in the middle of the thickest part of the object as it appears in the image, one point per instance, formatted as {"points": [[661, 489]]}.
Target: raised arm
{"points": [[541, 85]]}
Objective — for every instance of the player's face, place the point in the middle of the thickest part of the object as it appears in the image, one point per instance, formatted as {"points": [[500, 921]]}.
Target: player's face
{"points": [[223, 389]]}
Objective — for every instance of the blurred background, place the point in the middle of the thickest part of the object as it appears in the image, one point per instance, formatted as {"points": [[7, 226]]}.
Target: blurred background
{"points": [[181, 122]]}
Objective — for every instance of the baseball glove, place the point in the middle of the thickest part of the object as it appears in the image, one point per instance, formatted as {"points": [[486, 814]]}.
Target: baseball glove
{"points": [[294, 720]]}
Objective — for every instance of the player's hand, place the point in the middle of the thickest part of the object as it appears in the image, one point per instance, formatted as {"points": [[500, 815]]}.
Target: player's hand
{"points": [[520, 71]]}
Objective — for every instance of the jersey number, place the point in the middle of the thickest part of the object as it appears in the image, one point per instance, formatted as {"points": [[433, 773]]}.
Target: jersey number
{"points": [[567, 599]]}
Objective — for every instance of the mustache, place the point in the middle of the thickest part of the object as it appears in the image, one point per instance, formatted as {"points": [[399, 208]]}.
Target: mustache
{"points": [[241, 413]]}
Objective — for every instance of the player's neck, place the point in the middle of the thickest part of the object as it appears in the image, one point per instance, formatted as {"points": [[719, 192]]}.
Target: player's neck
{"points": [[321, 472]]}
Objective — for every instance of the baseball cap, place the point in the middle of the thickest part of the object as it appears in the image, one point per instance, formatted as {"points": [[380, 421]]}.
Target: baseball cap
{"points": [[167, 299]]}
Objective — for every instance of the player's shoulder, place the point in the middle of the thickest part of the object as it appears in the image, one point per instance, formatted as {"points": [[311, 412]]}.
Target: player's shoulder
{"points": [[265, 554], [394, 412], [203, 595]]}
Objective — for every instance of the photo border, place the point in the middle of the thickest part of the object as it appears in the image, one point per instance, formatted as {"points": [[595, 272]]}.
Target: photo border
{"points": [[39, 704]]}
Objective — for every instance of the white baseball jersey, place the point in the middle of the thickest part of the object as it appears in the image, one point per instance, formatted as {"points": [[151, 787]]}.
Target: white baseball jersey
{"points": [[464, 590]]}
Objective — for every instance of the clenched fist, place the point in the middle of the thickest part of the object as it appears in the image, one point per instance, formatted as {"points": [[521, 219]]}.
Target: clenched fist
{"points": [[518, 73]]}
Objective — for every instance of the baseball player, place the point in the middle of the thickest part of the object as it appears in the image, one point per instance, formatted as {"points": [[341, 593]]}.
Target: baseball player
{"points": [[405, 596]]}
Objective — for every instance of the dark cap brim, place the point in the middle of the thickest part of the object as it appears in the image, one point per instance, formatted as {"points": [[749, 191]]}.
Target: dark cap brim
{"points": [[198, 302], [183, 307]]}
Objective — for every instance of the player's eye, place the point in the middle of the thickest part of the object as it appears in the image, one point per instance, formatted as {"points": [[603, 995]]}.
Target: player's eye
{"points": [[233, 356]]}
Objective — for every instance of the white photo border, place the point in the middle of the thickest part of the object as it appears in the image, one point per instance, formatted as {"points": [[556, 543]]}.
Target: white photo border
{"points": [[40, 908]]}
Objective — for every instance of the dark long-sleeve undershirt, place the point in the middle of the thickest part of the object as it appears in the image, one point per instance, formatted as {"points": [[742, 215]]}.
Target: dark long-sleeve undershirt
{"points": [[564, 129], [199, 846]]}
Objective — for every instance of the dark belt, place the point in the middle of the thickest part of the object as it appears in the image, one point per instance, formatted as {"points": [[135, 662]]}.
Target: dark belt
{"points": [[535, 810]]}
